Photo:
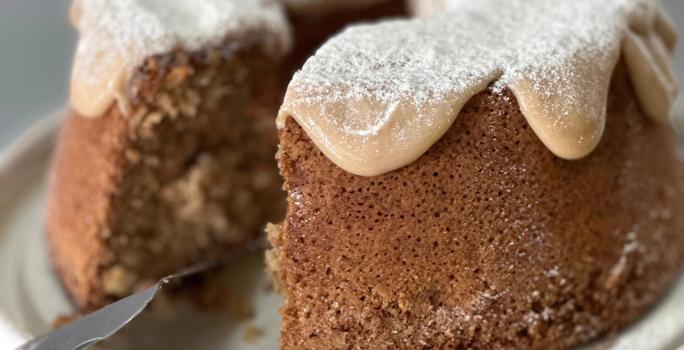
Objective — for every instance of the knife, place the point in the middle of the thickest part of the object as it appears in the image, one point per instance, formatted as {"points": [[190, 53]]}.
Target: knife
{"points": [[105, 322]]}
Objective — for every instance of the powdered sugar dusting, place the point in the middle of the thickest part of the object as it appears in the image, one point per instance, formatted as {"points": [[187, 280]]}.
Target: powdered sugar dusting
{"points": [[557, 56], [429, 58], [146, 27], [116, 36]]}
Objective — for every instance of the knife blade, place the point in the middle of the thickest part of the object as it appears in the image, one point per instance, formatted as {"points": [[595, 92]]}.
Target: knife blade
{"points": [[105, 322]]}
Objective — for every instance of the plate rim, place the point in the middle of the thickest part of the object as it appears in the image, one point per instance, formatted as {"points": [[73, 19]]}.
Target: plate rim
{"points": [[15, 158]]}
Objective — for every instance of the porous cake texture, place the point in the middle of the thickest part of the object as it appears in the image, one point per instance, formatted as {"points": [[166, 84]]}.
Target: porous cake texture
{"points": [[186, 176], [487, 241], [167, 154]]}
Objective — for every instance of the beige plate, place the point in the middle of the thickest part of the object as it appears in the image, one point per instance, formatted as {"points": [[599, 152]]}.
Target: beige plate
{"points": [[31, 297]]}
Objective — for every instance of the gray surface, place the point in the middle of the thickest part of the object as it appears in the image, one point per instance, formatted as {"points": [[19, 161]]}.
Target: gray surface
{"points": [[36, 46]]}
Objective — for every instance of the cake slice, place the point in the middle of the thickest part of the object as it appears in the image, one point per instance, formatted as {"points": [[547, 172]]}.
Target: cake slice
{"points": [[166, 156], [495, 178]]}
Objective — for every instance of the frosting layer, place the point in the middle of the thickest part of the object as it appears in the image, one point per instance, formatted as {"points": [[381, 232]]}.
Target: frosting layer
{"points": [[116, 36], [376, 97]]}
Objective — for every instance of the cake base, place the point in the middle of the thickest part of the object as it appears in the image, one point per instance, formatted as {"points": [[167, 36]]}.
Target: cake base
{"points": [[487, 241]]}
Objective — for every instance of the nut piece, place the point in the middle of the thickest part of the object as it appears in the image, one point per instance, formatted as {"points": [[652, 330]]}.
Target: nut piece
{"points": [[63, 319], [252, 333], [118, 281]]}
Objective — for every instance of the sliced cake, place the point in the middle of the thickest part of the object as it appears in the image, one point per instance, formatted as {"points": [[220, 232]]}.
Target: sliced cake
{"points": [[166, 156], [499, 177]]}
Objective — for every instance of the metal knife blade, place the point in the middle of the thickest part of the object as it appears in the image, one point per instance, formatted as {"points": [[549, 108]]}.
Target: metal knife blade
{"points": [[103, 323]]}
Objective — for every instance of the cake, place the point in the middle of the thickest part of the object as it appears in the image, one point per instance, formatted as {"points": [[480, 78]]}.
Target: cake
{"points": [[167, 153], [168, 138], [493, 174], [498, 177]]}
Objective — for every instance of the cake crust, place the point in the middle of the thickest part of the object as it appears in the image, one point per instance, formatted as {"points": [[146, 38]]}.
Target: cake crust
{"points": [[486, 241], [87, 165], [136, 196]]}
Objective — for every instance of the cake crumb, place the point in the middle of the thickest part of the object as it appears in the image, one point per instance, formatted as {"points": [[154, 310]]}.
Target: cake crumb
{"points": [[239, 307], [63, 319], [212, 294], [252, 333], [118, 281], [209, 295]]}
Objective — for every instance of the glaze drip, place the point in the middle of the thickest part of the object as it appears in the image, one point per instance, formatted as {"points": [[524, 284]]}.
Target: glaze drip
{"points": [[117, 36], [376, 97]]}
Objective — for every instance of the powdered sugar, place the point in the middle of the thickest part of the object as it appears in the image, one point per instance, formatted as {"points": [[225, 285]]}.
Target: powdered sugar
{"points": [[429, 58], [145, 27], [375, 97], [116, 36]]}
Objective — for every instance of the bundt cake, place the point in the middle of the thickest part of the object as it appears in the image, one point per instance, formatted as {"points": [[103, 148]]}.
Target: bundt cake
{"points": [[494, 174], [169, 138], [498, 177], [166, 156]]}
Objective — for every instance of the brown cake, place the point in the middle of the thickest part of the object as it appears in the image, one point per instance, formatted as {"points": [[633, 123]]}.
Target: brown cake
{"points": [[466, 182], [168, 139], [166, 156]]}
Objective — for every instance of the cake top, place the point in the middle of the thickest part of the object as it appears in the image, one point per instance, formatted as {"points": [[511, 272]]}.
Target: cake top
{"points": [[376, 97], [116, 36]]}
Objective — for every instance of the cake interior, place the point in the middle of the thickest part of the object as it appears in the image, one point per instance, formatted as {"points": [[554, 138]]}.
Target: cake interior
{"points": [[199, 174], [202, 174]]}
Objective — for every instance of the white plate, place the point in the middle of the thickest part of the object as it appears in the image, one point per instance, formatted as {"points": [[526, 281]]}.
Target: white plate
{"points": [[31, 297]]}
